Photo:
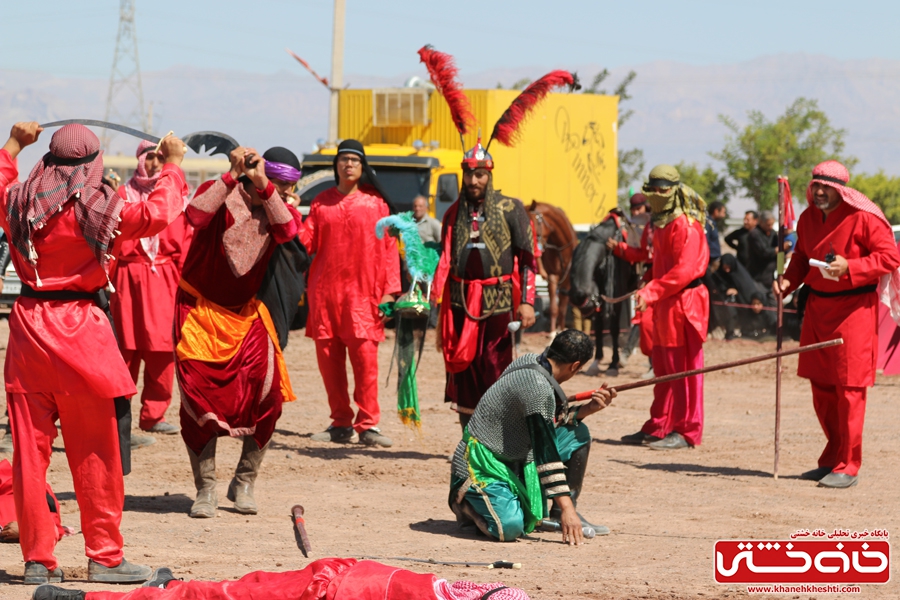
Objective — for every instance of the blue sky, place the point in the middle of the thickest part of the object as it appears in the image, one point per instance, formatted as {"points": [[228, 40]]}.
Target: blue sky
{"points": [[77, 38]]}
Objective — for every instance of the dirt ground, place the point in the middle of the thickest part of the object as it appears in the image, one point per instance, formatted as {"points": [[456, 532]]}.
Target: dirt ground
{"points": [[665, 509]]}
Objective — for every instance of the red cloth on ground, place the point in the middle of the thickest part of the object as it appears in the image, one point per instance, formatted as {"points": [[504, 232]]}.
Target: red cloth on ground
{"points": [[324, 579], [90, 432], [493, 353], [868, 245], [352, 269], [159, 379], [841, 411], [239, 397], [678, 405], [680, 255], [332, 358]]}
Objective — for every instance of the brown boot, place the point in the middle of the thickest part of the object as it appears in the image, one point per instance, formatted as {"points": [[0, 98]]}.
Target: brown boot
{"points": [[204, 467], [240, 490]]}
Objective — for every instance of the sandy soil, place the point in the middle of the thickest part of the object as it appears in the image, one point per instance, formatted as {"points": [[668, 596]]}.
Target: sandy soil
{"points": [[665, 509]]}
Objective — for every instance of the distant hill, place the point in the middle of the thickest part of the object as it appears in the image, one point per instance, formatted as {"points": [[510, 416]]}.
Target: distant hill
{"points": [[676, 105]]}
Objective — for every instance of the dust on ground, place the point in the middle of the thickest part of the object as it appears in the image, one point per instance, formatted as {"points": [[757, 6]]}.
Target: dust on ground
{"points": [[665, 509]]}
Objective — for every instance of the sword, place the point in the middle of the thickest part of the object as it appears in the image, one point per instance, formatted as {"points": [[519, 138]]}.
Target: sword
{"points": [[215, 142], [300, 530]]}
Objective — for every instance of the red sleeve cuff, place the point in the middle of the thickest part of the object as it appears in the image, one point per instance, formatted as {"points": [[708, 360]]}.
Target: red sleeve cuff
{"points": [[228, 180], [264, 194]]}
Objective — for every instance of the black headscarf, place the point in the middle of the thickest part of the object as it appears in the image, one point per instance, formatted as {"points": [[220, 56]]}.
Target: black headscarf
{"points": [[739, 278], [355, 147], [283, 286]]}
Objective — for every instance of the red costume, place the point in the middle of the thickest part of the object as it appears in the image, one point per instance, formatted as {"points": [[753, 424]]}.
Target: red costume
{"points": [[352, 270], [324, 579], [143, 306], [232, 377], [680, 307], [848, 308], [62, 360]]}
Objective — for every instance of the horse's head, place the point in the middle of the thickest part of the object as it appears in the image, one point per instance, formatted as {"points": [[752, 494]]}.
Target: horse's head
{"points": [[584, 291]]}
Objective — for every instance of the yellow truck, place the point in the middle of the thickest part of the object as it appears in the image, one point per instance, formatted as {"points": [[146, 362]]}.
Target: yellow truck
{"points": [[566, 156]]}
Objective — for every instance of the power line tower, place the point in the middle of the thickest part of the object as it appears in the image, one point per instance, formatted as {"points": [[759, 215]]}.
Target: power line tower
{"points": [[125, 100]]}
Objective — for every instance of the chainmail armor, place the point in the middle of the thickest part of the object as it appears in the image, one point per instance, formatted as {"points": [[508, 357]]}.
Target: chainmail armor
{"points": [[499, 419]]}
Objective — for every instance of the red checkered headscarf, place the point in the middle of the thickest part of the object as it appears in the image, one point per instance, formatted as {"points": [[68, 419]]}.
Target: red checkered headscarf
{"points": [[72, 169], [835, 175]]}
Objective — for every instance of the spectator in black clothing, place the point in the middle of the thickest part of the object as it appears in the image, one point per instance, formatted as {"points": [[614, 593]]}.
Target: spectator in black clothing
{"points": [[757, 323], [737, 239], [762, 243]]}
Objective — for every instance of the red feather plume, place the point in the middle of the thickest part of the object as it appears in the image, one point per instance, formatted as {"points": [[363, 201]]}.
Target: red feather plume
{"points": [[506, 131], [443, 74]]}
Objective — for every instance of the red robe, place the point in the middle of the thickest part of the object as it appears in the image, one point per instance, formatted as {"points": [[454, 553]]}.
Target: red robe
{"points": [[48, 341], [240, 396], [63, 362], [143, 305], [680, 316], [868, 245], [352, 269]]}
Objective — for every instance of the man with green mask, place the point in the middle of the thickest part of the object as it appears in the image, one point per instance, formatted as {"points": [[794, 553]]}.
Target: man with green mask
{"points": [[681, 311]]}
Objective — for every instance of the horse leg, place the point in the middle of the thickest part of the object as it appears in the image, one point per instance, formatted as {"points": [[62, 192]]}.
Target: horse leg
{"points": [[615, 319], [597, 320], [552, 288], [561, 309]]}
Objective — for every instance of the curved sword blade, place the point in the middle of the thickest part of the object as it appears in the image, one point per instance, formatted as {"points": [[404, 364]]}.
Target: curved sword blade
{"points": [[94, 123], [215, 142]]}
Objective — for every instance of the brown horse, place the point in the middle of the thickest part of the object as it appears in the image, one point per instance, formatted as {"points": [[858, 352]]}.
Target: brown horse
{"points": [[557, 240]]}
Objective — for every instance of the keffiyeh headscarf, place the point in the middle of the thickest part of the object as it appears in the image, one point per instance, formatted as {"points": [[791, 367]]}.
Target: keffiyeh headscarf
{"points": [[72, 169], [138, 189], [674, 199], [835, 175]]}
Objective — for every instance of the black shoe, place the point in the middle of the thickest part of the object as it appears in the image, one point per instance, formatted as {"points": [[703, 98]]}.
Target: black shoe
{"points": [[38, 574], [838, 481], [816, 474], [337, 435], [124, 572], [51, 592], [673, 441], [639, 438], [160, 578]]}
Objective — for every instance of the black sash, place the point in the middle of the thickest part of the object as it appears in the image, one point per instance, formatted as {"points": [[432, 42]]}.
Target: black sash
{"points": [[866, 289], [123, 405]]}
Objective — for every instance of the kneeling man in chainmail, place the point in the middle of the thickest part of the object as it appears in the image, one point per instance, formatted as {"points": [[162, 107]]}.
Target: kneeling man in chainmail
{"points": [[526, 443]]}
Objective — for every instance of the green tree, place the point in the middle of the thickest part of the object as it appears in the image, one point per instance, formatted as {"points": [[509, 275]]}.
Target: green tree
{"points": [[882, 190], [631, 162], [710, 184], [796, 141]]}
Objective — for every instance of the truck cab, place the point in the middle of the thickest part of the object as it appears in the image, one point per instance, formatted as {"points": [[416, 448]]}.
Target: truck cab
{"points": [[403, 171]]}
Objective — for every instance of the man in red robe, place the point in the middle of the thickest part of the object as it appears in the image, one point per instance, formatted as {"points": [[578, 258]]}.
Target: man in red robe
{"points": [[323, 579], [62, 360], [845, 229], [485, 276], [352, 272], [680, 305], [228, 360], [143, 305]]}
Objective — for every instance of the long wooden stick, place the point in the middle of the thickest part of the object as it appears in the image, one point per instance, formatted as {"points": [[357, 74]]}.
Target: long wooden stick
{"points": [[779, 328], [767, 308], [735, 363]]}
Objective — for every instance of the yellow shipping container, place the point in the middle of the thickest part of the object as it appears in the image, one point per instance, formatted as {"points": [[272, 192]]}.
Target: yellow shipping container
{"points": [[567, 153]]}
